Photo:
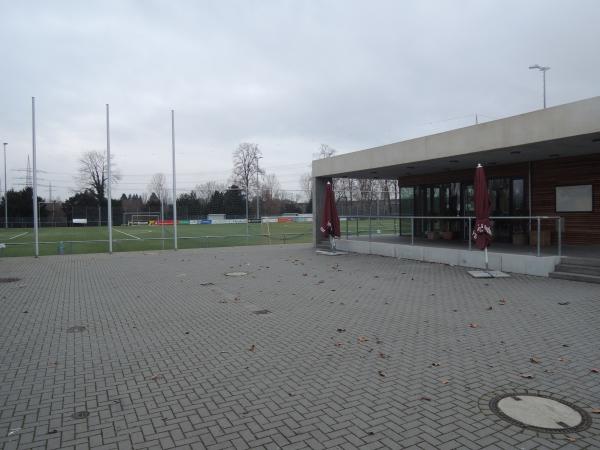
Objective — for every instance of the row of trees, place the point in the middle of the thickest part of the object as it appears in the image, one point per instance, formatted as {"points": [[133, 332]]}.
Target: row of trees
{"points": [[248, 183]]}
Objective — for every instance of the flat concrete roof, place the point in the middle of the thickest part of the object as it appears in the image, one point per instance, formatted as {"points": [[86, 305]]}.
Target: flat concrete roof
{"points": [[571, 129]]}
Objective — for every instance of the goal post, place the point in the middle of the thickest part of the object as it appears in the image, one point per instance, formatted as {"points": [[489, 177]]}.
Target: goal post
{"points": [[137, 218]]}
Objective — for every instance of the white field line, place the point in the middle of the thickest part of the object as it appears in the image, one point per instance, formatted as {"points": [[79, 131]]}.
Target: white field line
{"points": [[18, 235], [127, 234]]}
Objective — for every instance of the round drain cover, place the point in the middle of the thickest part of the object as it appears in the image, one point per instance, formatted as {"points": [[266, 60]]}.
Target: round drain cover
{"points": [[540, 413], [76, 329], [236, 274]]}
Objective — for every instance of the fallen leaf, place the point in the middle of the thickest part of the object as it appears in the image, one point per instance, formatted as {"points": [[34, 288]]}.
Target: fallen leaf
{"points": [[490, 308], [595, 411], [570, 438], [526, 375], [156, 377], [444, 381], [338, 344], [363, 339], [14, 431], [341, 330], [534, 360], [435, 364], [427, 399], [381, 373], [52, 431], [561, 359], [252, 348], [564, 303], [502, 302], [473, 325], [595, 370]]}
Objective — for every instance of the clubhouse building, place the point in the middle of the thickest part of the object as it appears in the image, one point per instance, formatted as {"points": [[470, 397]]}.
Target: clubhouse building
{"points": [[543, 171]]}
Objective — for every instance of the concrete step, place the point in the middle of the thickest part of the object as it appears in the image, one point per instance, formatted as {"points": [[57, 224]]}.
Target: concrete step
{"points": [[573, 268], [575, 277], [580, 261]]}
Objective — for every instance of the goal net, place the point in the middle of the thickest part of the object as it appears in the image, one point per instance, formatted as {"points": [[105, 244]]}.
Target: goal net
{"points": [[140, 218]]}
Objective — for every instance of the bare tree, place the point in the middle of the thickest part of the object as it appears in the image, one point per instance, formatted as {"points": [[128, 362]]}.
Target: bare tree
{"points": [[245, 165], [325, 151], [208, 188], [306, 182], [271, 186], [158, 185], [93, 173]]}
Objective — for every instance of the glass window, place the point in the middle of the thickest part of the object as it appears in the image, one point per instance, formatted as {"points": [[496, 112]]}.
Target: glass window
{"points": [[518, 195], [407, 197], [435, 200], [499, 189], [469, 200]]}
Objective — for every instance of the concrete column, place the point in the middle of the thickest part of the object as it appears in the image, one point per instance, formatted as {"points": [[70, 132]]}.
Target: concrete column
{"points": [[318, 197]]}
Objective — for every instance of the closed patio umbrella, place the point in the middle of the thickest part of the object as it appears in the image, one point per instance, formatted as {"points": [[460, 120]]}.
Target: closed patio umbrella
{"points": [[482, 234], [330, 223]]}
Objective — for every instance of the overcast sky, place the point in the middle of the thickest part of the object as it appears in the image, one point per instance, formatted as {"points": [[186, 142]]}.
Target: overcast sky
{"points": [[288, 75]]}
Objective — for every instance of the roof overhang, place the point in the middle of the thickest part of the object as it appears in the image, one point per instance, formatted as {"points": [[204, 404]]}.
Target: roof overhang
{"points": [[572, 129]]}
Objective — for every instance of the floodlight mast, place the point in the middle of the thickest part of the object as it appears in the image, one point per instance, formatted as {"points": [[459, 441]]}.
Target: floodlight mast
{"points": [[5, 191], [542, 69]]}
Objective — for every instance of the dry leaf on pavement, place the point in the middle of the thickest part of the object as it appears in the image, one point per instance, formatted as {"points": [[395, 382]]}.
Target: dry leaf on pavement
{"points": [[534, 360], [526, 375], [363, 339], [252, 348]]}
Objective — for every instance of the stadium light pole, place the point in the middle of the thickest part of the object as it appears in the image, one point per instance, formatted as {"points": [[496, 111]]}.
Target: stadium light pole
{"points": [[174, 180], [5, 191], [257, 188], [542, 69], [35, 209], [108, 191]]}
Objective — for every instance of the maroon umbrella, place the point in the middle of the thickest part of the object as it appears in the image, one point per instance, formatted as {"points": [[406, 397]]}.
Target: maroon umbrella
{"points": [[330, 223], [482, 234]]}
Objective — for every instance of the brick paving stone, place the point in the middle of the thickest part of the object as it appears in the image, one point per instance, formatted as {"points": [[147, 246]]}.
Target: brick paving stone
{"points": [[164, 361]]}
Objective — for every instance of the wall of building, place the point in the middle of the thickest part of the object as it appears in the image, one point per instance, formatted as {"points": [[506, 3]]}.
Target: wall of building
{"points": [[579, 227]]}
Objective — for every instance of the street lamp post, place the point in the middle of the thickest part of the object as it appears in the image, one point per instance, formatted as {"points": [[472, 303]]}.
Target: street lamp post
{"points": [[257, 188], [542, 69], [5, 191]]}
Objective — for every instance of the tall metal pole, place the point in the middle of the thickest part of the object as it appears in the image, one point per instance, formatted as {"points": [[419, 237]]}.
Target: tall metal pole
{"points": [[257, 189], [109, 197], [174, 180], [35, 206], [544, 77], [5, 191]]}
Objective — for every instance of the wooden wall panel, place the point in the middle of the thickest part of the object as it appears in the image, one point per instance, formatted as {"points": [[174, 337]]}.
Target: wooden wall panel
{"points": [[580, 227]]}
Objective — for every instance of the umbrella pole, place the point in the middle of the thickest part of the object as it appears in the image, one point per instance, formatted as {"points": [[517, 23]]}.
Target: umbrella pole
{"points": [[486, 259]]}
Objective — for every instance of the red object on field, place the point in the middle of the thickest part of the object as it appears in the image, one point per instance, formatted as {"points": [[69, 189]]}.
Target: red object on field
{"points": [[330, 224], [482, 234], [285, 219]]}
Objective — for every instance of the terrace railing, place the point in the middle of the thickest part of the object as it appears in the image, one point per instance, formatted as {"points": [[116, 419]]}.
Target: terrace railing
{"points": [[538, 228]]}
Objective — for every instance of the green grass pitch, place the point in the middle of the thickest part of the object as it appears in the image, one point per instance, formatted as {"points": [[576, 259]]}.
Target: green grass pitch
{"points": [[93, 239]]}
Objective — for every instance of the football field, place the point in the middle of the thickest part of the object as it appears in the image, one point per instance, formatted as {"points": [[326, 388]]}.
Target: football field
{"points": [[94, 239]]}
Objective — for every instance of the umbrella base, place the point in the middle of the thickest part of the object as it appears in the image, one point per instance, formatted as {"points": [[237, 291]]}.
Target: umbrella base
{"points": [[331, 253], [487, 274]]}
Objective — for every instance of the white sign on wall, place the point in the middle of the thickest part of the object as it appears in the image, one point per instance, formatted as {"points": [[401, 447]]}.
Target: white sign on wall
{"points": [[574, 198]]}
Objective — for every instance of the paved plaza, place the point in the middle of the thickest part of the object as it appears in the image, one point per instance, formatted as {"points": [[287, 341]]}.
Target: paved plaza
{"points": [[163, 350]]}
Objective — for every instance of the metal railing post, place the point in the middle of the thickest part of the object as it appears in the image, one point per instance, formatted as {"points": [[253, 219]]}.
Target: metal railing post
{"points": [[539, 234], [369, 226], [469, 231], [412, 231], [346, 228], [559, 236]]}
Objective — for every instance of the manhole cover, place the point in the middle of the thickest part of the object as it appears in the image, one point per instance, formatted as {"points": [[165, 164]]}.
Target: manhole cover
{"points": [[80, 415], [236, 274], [540, 413], [262, 311], [76, 329], [9, 279]]}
